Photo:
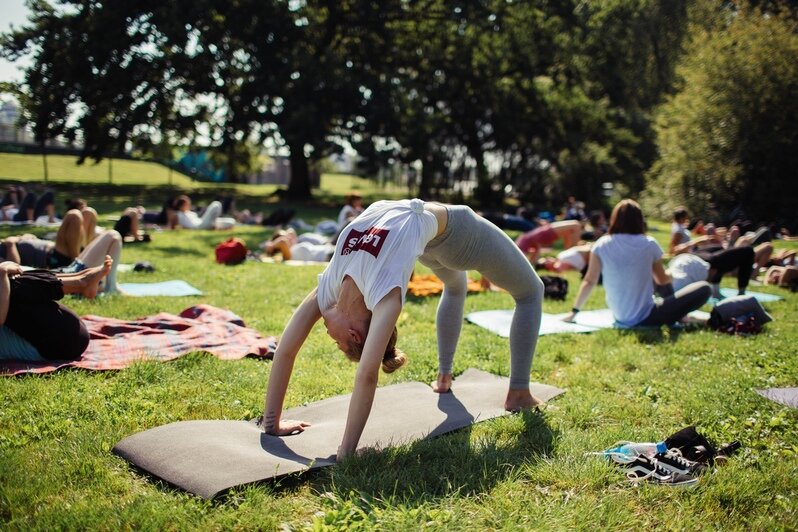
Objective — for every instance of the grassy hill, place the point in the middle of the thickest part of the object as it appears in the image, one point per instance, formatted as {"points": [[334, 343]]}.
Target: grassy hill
{"points": [[526, 472]]}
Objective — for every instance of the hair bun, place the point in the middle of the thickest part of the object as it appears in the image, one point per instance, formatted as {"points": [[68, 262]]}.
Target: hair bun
{"points": [[391, 364]]}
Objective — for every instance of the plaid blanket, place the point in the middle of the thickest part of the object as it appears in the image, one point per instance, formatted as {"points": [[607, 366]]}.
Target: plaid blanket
{"points": [[117, 344]]}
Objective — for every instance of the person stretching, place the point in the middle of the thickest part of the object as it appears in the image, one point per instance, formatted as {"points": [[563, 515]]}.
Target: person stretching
{"points": [[361, 293], [544, 236]]}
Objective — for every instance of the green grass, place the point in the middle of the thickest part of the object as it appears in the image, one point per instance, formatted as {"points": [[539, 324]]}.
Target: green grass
{"points": [[520, 473]]}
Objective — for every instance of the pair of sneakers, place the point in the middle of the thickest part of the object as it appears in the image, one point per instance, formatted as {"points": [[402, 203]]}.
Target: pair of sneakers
{"points": [[669, 468]]}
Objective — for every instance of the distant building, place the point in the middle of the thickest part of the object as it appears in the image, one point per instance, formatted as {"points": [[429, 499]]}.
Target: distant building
{"points": [[277, 171]]}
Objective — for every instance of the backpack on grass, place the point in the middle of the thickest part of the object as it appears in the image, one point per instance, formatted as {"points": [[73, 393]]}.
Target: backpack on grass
{"points": [[554, 287], [231, 251]]}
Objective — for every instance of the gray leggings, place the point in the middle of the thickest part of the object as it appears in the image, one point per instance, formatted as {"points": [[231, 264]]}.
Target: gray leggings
{"points": [[675, 307], [470, 242]]}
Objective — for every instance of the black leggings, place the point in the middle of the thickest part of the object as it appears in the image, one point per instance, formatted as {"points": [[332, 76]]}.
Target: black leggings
{"points": [[39, 206], [33, 313], [722, 261], [675, 307]]}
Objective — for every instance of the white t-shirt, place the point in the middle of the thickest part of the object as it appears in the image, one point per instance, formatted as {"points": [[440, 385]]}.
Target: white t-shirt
{"points": [[378, 250], [313, 238], [686, 269], [347, 211], [684, 234], [188, 219], [311, 252], [626, 262], [573, 257]]}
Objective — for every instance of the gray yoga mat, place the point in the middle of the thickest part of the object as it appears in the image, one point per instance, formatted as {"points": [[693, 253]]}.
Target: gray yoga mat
{"points": [[785, 396], [498, 321], [174, 288], [209, 457]]}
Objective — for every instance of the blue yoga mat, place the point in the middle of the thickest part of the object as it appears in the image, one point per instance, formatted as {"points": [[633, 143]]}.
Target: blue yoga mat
{"points": [[174, 288], [759, 296], [498, 321]]}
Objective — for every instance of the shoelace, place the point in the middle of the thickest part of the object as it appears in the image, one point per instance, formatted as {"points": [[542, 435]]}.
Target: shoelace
{"points": [[656, 469], [676, 455]]}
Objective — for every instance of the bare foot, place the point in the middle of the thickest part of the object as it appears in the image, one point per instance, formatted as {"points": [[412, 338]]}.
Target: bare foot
{"points": [[522, 399], [93, 277], [443, 384]]}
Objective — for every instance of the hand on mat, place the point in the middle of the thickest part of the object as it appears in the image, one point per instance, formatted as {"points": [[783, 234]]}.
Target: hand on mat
{"points": [[289, 427], [357, 452], [570, 318]]}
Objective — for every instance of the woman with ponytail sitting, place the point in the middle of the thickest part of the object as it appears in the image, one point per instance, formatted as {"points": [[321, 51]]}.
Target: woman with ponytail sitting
{"points": [[361, 293]]}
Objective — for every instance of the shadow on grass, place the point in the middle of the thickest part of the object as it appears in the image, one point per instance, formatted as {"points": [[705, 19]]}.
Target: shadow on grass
{"points": [[440, 467], [660, 335]]}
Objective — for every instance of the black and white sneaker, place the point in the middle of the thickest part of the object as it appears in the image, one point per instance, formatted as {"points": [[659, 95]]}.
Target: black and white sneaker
{"points": [[644, 469], [673, 461]]}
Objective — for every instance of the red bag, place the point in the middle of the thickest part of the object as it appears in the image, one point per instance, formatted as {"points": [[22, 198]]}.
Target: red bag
{"points": [[231, 251]]}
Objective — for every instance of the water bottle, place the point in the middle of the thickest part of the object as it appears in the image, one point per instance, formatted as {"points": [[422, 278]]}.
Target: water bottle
{"points": [[629, 451]]}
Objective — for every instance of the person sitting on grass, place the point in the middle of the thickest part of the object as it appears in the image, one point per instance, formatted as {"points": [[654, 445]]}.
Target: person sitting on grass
{"points": [[361, 293], [739, 259], [531, 242], [29, 308], [66, 253], [628, 260], [352, 208]]}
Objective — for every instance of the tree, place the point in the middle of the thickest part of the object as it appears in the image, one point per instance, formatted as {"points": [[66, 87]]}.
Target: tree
{"points": [[728, 138]]}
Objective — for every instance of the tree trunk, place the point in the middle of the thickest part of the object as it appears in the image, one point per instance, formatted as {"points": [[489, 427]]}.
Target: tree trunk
{"points": [[427, 177], [299, 184], [110, 170], [44, 162]]}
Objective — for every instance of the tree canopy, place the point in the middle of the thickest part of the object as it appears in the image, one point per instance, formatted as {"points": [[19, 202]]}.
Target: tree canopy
{"points": [[544, 98]]}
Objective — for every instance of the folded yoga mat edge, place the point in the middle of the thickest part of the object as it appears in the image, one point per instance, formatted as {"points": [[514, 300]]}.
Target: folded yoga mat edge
{"points": [[208, 457]]}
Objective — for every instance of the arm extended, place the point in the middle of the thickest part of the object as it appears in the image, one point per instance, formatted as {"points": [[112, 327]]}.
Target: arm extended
{"points": [[295, 334], [588, 283], [383, 321]]}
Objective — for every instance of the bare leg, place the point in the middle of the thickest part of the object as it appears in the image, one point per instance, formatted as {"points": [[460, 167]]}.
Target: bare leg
{"points": [[569, 231], [108, 243], [761, 256], [86, 282]]}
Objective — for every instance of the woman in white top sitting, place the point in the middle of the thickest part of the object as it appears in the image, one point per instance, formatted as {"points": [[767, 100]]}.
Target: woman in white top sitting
{"points": [[631, 263], [361, 293], [351, 210]]}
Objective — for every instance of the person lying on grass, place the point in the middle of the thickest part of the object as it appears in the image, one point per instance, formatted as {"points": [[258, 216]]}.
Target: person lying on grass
{"points": [[361, 293], [29, 307], [70, 252]]}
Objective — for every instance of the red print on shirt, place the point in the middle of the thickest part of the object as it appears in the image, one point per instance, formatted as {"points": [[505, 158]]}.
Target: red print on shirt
{"points": [[370, 241]]}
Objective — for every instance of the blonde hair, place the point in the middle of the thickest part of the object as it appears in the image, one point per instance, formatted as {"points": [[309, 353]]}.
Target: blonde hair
{"points": [[69, 238], [392, 359]]}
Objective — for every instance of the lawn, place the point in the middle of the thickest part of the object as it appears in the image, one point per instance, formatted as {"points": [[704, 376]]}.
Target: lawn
{"points": [[520, 472]]}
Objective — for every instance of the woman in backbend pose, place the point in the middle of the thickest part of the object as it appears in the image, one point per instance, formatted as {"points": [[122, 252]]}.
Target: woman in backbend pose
{"points": [[631, 263], [361, 293]]}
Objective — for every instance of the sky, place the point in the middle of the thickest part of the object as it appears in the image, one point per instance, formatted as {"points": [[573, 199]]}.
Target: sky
{"points": [[12, 13]]}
